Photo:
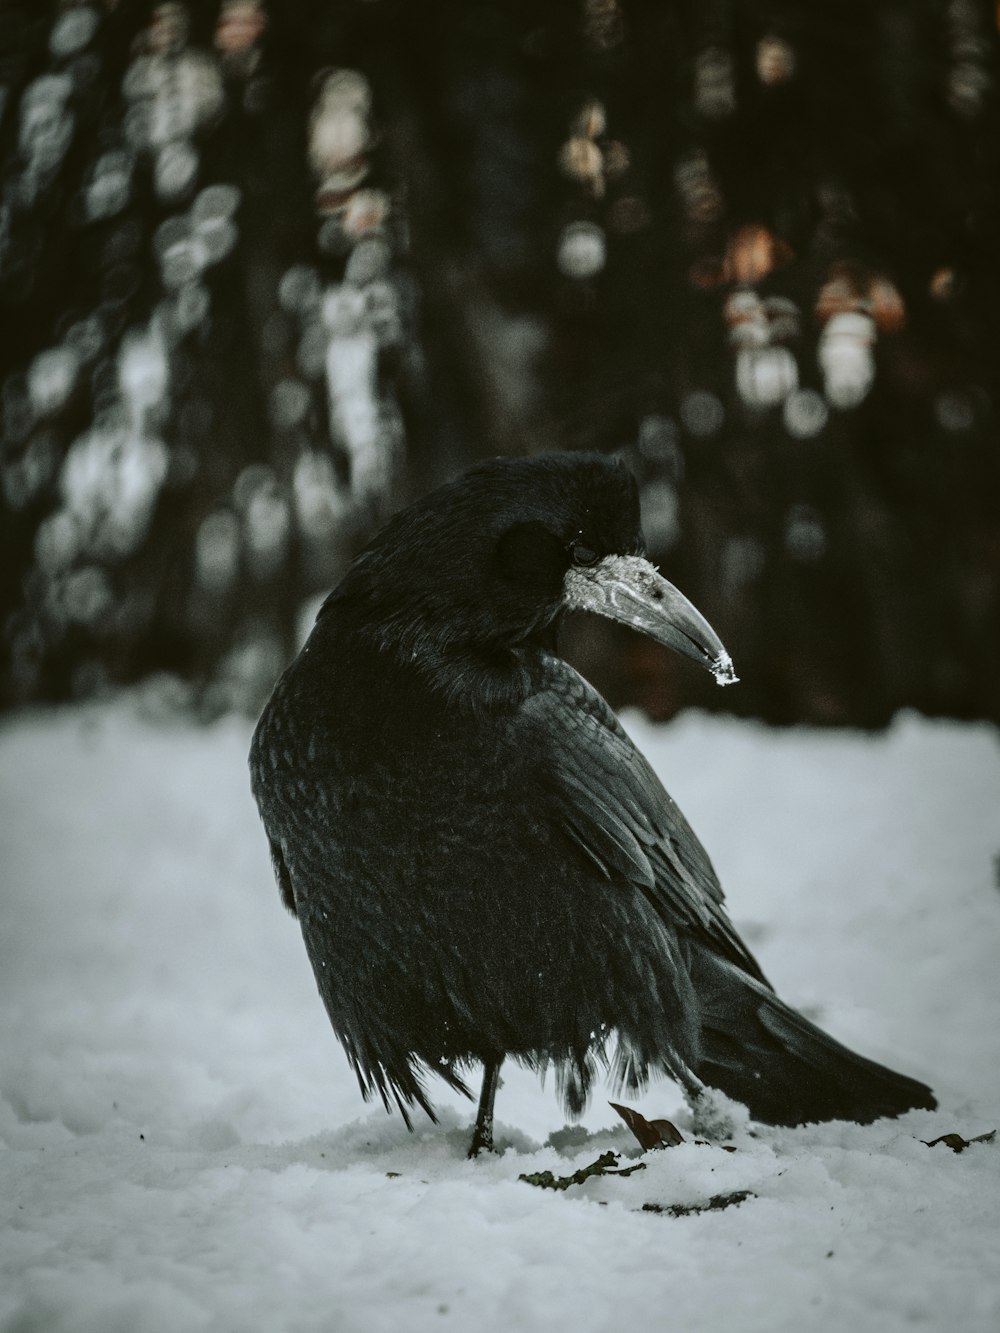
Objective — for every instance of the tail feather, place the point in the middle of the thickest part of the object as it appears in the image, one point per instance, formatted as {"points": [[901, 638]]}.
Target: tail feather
{"points": [[786, 1070]]}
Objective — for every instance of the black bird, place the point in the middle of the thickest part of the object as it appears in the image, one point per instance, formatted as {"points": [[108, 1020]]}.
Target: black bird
{"points": [[481, 861]]}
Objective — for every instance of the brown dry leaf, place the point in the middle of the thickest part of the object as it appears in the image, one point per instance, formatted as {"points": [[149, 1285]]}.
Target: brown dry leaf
{"points": [[956, 1143], [650, 1133]]}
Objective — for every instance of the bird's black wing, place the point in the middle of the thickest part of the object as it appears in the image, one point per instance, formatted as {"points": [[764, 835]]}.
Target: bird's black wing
{"points": [[606, 797]]}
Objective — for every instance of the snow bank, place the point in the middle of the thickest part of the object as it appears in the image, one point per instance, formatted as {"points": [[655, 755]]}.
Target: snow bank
{"points": [[185, 1148]]}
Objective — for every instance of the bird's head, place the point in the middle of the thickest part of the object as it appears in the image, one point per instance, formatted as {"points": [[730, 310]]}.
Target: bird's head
{"points": [[487, 562]]}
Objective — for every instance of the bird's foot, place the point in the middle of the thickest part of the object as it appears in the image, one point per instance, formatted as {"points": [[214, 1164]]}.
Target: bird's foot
{"points": [[482, 1137]]}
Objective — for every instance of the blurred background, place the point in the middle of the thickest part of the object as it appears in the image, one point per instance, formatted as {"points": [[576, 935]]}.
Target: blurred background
{"points": [[270, 270]]}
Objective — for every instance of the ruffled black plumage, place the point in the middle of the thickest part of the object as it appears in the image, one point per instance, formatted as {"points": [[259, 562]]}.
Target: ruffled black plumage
{"points": [[482, 863]]}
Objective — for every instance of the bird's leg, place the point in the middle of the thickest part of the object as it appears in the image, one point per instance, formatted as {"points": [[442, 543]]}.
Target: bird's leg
{"points": [[482, 1135]]}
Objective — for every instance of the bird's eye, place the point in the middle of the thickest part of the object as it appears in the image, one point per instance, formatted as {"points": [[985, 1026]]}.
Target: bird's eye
{"points": [[583, 554]]}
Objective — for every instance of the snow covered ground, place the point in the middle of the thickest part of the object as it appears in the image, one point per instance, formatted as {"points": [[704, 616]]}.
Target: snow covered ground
{"points": [[185, 1147]]}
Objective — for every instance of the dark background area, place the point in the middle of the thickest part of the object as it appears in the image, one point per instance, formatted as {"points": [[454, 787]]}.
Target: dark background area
{"points": [[268, 271]]}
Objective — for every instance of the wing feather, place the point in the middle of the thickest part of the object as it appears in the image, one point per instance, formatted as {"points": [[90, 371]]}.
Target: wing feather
{"points": [[607, 799]]}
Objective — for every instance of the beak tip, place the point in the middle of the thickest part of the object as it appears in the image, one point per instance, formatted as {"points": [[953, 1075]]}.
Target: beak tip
{"points": [[722, 670]]}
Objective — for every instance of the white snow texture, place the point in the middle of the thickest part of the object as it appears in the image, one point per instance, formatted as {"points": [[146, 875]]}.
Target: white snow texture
{"points": [[185, 1147]]}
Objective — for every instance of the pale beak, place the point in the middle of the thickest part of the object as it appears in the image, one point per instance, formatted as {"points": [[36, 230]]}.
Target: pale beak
{"points": [[628, 589]]}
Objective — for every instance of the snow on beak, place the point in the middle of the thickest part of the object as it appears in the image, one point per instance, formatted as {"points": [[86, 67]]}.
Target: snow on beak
{"points": [[628, 589]]}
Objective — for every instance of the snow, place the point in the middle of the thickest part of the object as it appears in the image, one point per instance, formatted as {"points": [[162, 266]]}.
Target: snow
{"points": [[185, 1147]]}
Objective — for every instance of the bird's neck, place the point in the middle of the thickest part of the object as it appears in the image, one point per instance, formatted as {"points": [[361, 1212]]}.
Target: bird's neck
{"points": [[466, 656], [474, 677]]}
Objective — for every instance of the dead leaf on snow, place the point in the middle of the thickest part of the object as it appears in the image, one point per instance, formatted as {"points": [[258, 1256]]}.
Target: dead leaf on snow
{"points": [[956, 1143], [606, 1165], [715, 1204], [650, 1133]]}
